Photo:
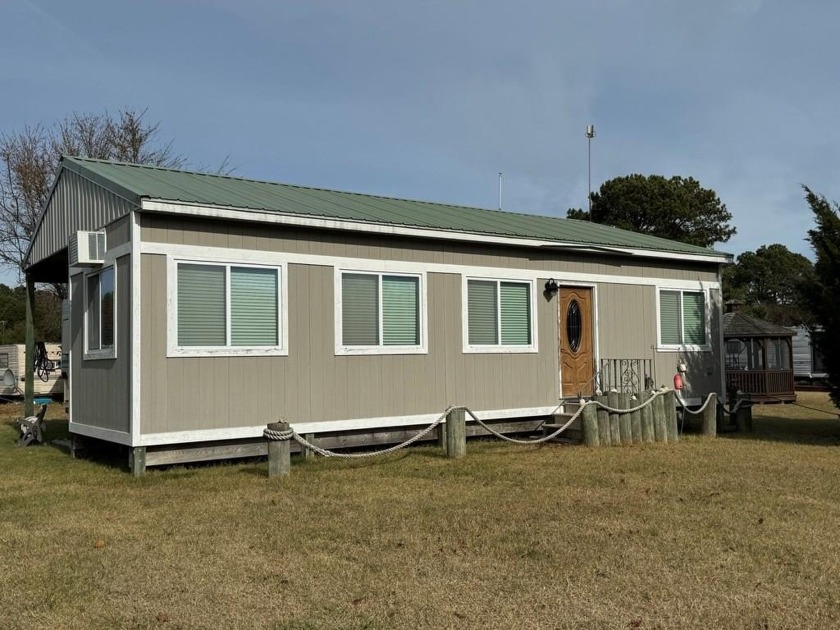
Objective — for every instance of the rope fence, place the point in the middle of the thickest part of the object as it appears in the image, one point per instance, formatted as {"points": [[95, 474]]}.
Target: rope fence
{"points": [[453, 437]]}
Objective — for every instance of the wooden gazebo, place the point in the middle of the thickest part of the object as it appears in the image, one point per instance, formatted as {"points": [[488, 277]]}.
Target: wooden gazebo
{"points": [[759, 358]]}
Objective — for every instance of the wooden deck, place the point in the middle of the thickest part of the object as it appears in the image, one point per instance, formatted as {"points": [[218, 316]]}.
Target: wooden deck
{"points": [[763, 385]]}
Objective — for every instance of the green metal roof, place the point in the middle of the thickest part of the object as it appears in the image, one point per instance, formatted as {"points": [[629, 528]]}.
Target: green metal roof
{"points": [[137, 182]]}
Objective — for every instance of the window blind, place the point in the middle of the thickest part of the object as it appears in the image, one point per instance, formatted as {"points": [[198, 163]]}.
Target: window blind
{"points": [[482, 310], [359, 309], [201, 305], [694, 318], [400, 311], [670, 324], [515, 302], [253, 307]]}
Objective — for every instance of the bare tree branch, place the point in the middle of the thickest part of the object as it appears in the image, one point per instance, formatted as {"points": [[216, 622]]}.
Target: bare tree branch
{"points": [[28, 160]]}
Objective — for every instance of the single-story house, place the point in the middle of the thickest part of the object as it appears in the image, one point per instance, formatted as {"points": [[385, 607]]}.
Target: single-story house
{"points": [[203, 307]]}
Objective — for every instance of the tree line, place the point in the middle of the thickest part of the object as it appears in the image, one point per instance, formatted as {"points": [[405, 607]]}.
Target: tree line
{"points": [[771, 283]]}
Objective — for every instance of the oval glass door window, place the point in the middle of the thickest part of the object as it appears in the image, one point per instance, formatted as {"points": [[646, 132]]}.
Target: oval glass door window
{"points": [[573, 326]]}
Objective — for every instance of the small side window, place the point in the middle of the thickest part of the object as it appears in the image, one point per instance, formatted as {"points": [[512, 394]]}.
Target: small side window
{"points": [[100, 313]]}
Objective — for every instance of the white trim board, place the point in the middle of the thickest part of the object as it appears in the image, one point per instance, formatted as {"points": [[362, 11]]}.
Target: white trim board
{"points": [[232, 255], [499, 348], [329, 426], [172, 347], [109, 435], [338, 316], [706, 347], [135, 370], [159, 205]]}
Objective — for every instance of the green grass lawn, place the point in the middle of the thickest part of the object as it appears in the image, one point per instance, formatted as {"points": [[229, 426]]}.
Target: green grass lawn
{"points": [[734, 532]]}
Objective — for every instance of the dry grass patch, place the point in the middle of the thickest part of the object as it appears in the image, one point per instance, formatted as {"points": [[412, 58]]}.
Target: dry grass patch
{"points": [[735, 532]]}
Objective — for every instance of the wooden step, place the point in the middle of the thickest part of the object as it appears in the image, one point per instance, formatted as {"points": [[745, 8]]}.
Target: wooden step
{"points": [[574, 433]]}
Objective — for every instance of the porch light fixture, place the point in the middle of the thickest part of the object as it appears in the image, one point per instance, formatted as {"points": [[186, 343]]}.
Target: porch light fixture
{"points": [[551, 286]]}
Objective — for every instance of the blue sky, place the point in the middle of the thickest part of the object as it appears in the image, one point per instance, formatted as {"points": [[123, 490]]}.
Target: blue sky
{"points": [[432, 99]]}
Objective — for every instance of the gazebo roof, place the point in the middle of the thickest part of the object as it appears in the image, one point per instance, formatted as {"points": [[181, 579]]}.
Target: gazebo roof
{"points": [[743, 325]]}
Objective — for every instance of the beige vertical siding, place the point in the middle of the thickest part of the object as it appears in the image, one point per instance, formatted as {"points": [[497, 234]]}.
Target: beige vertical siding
{"points": [[628, 330], [76, 204], [101, 389], [313, 384], [118, 232]]}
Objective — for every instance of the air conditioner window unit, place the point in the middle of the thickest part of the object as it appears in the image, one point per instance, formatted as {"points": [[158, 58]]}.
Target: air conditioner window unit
{"points": [[87, 248]]}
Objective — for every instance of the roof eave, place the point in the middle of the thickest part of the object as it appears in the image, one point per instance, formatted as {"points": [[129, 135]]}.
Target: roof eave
{"points": [[226, 212]]}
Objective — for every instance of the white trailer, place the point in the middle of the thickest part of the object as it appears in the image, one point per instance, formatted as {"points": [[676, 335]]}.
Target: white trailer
{"points": [[48, 379], [808, 363]]}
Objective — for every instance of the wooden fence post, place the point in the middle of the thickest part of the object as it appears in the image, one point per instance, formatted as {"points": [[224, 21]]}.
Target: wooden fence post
{"points": [[624, 422], [635, 420], [615, 425], [646, 414], [604, 437], [671, 426], [456, 433], [710, 416], [743, 416], [660, 433], [589, 421], [279, 453]]}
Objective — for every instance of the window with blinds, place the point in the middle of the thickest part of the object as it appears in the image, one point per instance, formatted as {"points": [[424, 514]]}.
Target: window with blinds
{"points": [[227, 306], [380, 311], [682, 318], [100, 314], [499, 313]]}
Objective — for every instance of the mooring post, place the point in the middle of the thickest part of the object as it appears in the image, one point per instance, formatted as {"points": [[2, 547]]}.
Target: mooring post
{"points": [[635, 420], [743, 417], [456, 432], [660, 432], [615, 425], [671, 425], [720, 419], [604, 437], [646, 414], [625, 424], [589, 421], [710, 416], [279, 452]]}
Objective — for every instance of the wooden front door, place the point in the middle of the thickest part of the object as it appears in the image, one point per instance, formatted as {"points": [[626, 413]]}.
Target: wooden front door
{"points": [[575, 326]]}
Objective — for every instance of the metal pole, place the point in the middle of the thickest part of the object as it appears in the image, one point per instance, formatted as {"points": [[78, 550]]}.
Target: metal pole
{"points": [[500, 190], [29, 368], [589, 196]]}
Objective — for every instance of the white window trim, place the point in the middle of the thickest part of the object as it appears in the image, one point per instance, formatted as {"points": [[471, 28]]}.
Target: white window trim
{"points": [[665, 347], [497, 348], [174, 350], [342, 350], [106, 353]]}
